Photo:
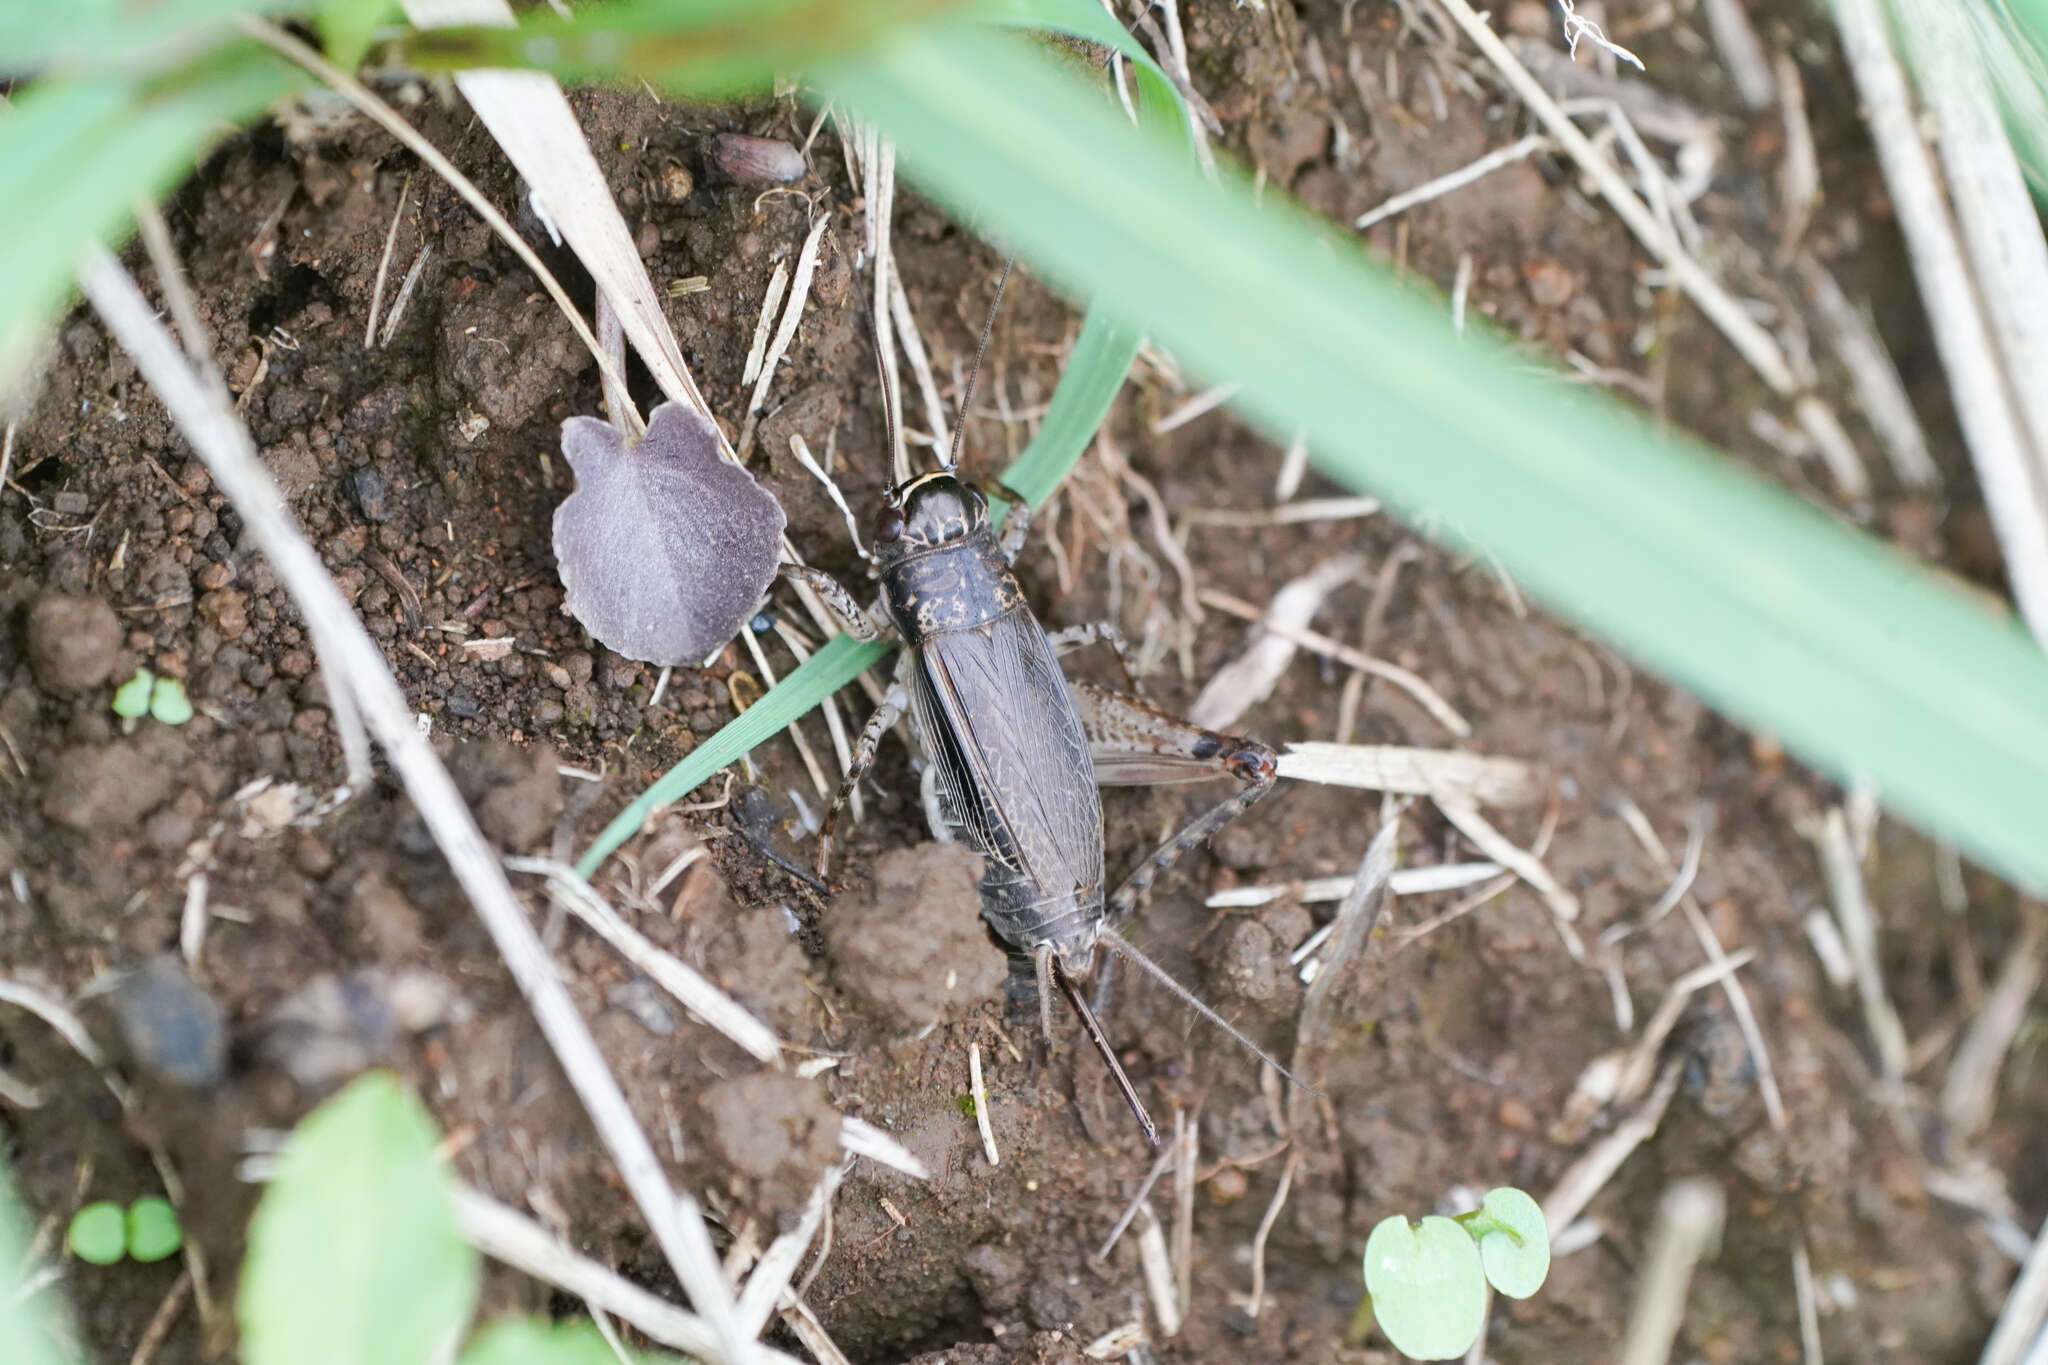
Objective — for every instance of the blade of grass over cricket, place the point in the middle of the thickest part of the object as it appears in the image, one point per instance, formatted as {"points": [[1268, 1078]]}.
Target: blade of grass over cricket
{"points": [[1101, 357], [1862, 664]]}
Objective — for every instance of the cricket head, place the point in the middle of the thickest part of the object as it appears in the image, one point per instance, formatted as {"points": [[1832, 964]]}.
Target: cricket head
{"points": [[928, 512]]}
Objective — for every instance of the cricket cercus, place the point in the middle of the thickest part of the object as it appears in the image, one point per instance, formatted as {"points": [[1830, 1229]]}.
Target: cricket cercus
{"points": [[1017, 750]]}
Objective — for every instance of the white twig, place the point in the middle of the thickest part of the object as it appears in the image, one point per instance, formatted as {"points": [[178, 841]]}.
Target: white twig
{"points": [[1741, 52], [1520, 150], [1293, 467], [1879, 389], [1590, 1173], [192, 923], [1165, 1159], [785, 332], [691, 990], [1287, 514], [530, 117], [862, 1138], [1512, 856], [1808, 1302], [1157, 1268], [778, 285], [2001, 226], [799, 448], [207, 419], [912, 342], [2023, 1322], [1688, 1227], [2013, 491], [1830, 835], [769, 1282], [1972, 1084], [1425, 696], [1406, 881], [1578, 28], [1207, 401], [979, 1092], [508, 1236], [384, 263], [1735, 323], [1272, 1216], [1250, 678]]}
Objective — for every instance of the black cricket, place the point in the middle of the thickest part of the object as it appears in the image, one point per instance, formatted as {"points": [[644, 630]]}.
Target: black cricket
{"points": [[1017, 751]]}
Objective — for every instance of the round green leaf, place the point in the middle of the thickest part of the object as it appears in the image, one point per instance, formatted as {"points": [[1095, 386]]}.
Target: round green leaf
{"points": [[1428, 1290], [98, 1233], [353, 1253], [1516, 1250], [131, 698], [168, 702], [153, 1230]]}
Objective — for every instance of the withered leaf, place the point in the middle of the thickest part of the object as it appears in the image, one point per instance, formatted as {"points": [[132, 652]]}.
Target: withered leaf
{"points": [[664, 547]]}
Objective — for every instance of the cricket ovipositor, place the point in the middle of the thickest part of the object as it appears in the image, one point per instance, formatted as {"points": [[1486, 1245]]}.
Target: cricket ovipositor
{"points": [[1016, 750]]}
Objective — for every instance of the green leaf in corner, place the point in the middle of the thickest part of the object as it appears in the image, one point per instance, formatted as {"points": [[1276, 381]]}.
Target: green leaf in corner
{"points": [[353, 1253]]}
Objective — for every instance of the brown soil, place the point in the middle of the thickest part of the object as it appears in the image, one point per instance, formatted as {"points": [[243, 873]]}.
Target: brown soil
{"points": [[339, 939]]}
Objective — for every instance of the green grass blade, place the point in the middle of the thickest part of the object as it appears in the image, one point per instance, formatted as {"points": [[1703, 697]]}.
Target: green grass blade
{"points": [[789, 701], [74, 156], [1771, 612], [96, 35], [1095, 371]]}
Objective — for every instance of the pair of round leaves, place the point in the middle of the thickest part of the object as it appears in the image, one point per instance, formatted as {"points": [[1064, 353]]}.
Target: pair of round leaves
{"points": [[666, 547], [147, 1230], [163, 698], [1428, 1281]]}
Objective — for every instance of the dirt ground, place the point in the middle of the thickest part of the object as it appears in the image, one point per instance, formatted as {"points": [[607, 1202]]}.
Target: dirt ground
{"points": [[426, 472]]}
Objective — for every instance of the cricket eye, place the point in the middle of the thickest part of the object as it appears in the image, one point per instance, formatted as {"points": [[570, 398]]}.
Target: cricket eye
{"points": [[890, 527]]}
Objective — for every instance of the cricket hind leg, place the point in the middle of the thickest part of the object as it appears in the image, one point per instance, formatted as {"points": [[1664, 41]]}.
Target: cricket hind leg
{"points": [[1136, 745], [841, 603]]}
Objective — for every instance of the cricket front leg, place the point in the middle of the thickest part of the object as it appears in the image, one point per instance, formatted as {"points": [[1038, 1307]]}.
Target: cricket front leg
{"points": [[1136, 745], [858, 762]]}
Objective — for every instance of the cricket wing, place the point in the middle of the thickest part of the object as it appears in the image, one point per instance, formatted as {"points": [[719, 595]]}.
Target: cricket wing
{"points": [[1012, 759]]}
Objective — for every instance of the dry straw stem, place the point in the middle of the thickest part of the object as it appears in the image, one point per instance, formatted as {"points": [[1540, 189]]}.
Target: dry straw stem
{"points": [[512, 1238], [1972, 1083], [1591, 1172], [785, 331], [1362, 909], [530, 117], [1742, 331], [1688, 1227], [1250, 678], [1157, 1268], [2009, 471], [1406, 881], [768, 1285], [1415, 772], [2022, 1329], [1518, 860], [979, 1092], [2001, 227], [205, 415], [1317, 643], [388, 119], [1486, 165], [1830, 835], [1272, 1216], [691, 990], [1879, 389]]}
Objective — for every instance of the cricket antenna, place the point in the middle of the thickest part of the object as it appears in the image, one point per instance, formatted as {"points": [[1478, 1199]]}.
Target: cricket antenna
{"points": [[1093, 1028], [960, 427], [888, 402], [1125, 948]]}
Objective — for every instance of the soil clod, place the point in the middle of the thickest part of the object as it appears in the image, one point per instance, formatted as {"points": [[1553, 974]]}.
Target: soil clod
{"points": [[912, 949]]}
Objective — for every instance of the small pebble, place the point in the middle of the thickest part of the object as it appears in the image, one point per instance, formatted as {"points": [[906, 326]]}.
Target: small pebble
{"points": [[756, 160], [74, 643], [462, 704], [639, 998], [370, 490], [173, 1029], [676, 181]]}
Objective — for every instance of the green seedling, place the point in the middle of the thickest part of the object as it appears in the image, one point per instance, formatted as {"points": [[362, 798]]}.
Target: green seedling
{"points": [[131, 698], [153, 1230], [147, 694], [168, 702], [99, 1233], [1427, 1282], [102, 1232]]}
